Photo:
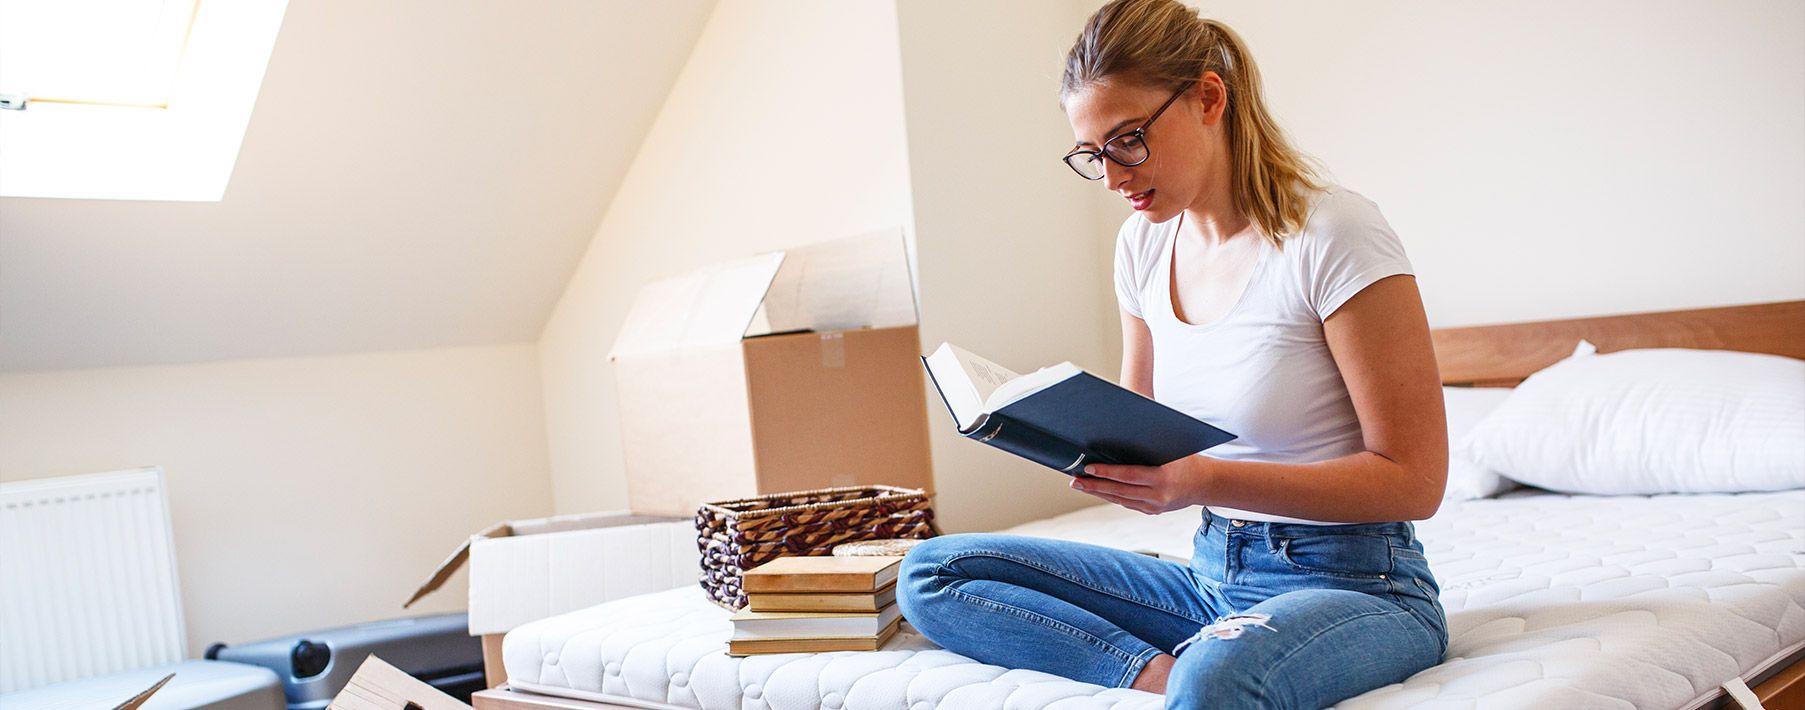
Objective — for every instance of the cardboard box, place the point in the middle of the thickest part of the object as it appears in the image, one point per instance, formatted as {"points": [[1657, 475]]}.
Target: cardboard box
{"points": [[380, 686], [526, 570], [785, 371]]}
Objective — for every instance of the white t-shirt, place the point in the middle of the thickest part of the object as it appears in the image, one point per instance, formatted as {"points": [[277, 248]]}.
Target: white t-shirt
{"points": [[1263, 371]]}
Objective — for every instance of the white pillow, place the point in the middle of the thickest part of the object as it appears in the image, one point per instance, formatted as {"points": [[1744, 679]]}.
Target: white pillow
{"points": [[1652, 421], [1466, 406]]}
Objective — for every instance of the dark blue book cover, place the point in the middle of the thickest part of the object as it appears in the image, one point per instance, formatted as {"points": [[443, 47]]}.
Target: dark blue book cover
{"points": [[1086, 419]]}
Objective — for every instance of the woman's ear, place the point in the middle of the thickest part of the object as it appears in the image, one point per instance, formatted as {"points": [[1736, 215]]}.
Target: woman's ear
{"points": [[1212, 97]]}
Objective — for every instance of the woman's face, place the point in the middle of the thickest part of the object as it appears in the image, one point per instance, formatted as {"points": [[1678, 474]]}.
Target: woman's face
{"points": [[1185, 146]]}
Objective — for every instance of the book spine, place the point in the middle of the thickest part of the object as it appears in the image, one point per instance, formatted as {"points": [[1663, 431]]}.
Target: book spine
{"points": [[1024, 440], [819, 583]]}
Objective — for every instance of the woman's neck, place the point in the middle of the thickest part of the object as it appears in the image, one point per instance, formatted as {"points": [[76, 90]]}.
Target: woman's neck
{"points": [[1214, 219]]}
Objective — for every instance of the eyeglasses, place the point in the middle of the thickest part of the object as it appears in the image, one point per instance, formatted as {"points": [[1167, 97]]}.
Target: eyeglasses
{"points": [[1126, 149]]}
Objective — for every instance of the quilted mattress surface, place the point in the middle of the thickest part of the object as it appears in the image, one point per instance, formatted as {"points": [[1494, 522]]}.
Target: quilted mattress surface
{"points": [[1553, 601]]}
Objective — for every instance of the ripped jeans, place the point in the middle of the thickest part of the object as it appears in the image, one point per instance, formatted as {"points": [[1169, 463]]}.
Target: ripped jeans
{"points": [[1267, 615]]}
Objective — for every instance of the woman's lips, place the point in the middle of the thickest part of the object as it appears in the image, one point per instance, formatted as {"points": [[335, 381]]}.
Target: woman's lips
{"points": [[1141, 200]]}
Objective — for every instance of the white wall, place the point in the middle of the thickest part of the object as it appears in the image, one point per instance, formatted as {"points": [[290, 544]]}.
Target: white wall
{"points": [[1548, 159], [1012, 267], [784, 128], [417, 174], [306, 492], [1540, 160]]}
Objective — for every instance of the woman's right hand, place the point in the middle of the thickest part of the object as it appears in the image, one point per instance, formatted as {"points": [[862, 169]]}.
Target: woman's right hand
{"points": [[1149, 489]]}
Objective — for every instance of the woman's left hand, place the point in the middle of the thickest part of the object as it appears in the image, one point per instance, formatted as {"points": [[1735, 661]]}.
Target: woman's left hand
{"points": [[1148, 489]]}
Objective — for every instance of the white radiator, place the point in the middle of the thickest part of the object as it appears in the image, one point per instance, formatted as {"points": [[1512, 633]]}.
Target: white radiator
{"points": [[87, 578]]}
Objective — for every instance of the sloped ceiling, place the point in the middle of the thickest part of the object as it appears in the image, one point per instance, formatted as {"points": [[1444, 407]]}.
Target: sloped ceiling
{"points": [[417, 173]]}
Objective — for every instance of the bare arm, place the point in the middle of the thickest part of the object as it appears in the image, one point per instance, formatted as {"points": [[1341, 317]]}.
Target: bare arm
{"points": [[1380, 342], [1137, 355]]}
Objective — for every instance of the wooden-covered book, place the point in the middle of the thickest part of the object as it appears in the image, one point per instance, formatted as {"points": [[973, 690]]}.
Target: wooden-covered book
{"points": [[863, 575], [746, 647], [821, 601]]}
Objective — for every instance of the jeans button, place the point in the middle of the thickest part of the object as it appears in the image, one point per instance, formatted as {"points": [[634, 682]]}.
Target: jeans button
{"points": [[1237, 523]]}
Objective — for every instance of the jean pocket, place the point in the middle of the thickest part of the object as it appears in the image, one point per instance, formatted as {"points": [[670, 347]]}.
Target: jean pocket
{"points": [[1406, 559], [1354, 556]]}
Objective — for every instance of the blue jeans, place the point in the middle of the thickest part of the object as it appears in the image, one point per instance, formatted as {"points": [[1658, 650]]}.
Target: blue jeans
{"points": [[1266, 615]]}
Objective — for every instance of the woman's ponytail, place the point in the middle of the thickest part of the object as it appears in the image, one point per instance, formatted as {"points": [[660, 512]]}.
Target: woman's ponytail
{"points": [[1166, 44]]}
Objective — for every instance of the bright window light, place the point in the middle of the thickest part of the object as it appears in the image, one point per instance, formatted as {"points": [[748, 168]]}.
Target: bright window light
{"points": [[123, 52], [129, 99]]}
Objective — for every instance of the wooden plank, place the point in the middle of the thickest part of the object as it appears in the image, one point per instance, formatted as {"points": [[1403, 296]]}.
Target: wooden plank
{"points": [[1784, 690], [1502, 355], [505, 698], [494, 673]]}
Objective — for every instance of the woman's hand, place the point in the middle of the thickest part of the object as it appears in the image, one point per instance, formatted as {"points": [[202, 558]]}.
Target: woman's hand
{"points": [[1149, 489]]}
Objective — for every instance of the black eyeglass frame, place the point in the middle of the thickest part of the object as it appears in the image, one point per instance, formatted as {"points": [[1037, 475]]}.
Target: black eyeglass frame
{"points": [[1139, 133]]}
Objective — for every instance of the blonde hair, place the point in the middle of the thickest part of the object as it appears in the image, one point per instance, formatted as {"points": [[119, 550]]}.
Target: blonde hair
{"points": [[1164, 43]]}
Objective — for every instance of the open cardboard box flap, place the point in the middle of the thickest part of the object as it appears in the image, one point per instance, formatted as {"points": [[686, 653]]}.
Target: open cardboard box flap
{"points": [[511, 528], [137, 701], [857, 282], [379, 686]]}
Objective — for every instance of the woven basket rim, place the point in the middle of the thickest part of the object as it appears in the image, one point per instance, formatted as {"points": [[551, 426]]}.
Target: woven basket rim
{"points": [[887, 494]]}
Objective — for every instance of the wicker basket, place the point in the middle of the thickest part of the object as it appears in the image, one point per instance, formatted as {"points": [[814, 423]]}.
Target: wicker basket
{"points": [[738, 535]]}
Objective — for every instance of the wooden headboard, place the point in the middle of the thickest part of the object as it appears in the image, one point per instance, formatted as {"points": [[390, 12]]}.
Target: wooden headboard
{"points": [[1502, 355]]}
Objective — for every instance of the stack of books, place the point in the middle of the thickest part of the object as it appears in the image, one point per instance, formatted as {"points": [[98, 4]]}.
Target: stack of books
{"points": [[815, 604]]}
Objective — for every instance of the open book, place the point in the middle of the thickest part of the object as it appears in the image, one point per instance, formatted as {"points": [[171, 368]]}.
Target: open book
{"points": [[1061, 416]]}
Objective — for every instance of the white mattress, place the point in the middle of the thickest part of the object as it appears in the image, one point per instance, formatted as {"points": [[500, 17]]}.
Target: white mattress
{"points": [[1553, 601]]}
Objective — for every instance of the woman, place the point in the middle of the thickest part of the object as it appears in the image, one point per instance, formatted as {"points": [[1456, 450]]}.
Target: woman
{"points": [[1282, 309]]}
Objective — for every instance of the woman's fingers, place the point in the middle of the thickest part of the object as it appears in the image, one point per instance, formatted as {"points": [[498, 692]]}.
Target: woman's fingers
{"points": [[1139, 475], [1113, 488], [1129, 503]]}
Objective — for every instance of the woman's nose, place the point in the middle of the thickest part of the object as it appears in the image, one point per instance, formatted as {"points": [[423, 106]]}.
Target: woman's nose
{"points": [[1114, 175]]}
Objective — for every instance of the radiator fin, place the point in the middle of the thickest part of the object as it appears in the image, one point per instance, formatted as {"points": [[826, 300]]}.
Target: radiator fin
{"points": [[89, 575]]}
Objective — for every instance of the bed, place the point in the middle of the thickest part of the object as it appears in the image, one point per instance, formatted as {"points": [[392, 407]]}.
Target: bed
{"points": [[1676, 601]]}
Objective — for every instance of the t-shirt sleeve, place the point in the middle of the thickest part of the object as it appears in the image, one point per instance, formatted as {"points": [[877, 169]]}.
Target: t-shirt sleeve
{"points": [[1350, 246], [1130, 273]]}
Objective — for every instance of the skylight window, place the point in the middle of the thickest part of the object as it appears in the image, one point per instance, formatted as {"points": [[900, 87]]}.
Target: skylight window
{"points": [[118, 52], [129, 99]]}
